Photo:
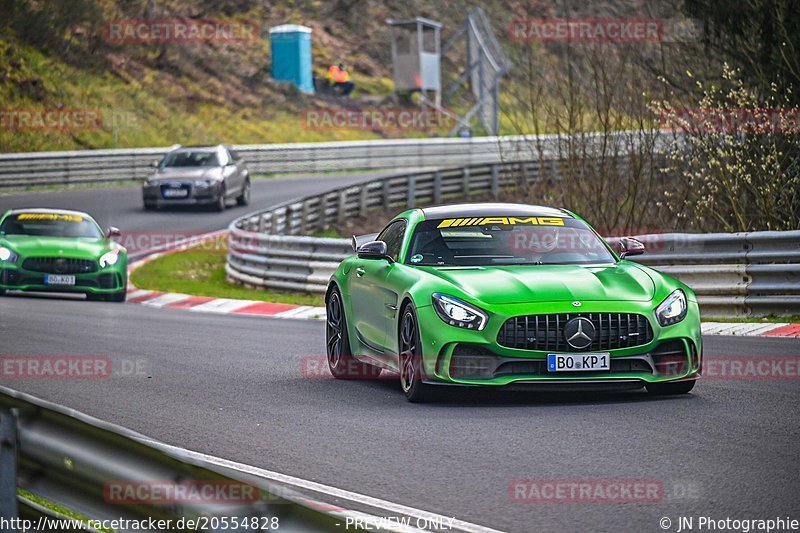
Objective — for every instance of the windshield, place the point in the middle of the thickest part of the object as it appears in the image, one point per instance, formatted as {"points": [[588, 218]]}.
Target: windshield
{"points": [[190, 159], [50, 225], [494, 241]]}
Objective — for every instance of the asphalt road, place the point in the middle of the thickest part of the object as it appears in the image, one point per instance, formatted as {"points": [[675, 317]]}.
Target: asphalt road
{"points": [[122, 206], [235, 387]]}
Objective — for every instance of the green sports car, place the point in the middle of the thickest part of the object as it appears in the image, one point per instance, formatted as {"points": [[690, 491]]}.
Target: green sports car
{"points": [[508, 295], [62, 251]]}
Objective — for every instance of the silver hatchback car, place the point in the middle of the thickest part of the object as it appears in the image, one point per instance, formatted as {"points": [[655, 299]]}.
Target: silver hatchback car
{"points": [[198, 175]]}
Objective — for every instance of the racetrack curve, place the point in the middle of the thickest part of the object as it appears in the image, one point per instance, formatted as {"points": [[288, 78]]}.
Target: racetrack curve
{"points": [[234, 387]]}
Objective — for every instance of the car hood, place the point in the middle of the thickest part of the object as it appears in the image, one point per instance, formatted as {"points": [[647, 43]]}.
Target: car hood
{"points": [[28, 246], [188, 173], [550, 283]]}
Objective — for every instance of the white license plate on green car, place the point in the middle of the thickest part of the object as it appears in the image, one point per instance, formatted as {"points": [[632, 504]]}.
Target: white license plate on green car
{"points": [[59, 279], [582, 362]]}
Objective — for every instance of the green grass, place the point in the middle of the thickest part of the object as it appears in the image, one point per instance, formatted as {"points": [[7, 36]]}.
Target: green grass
{"points": [[56, 508], [200, 271]]}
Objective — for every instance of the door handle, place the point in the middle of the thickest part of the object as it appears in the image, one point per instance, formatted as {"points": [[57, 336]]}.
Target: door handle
{"points": [[360, 272]]}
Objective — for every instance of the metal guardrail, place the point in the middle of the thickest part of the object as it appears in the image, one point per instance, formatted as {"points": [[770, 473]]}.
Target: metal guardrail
{"points": [[738, 274], [89, 166], [71, 458], [267, 249]]}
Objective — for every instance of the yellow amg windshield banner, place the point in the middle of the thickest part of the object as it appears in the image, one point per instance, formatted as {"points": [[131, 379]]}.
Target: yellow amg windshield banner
{"points": [[502, 221]]}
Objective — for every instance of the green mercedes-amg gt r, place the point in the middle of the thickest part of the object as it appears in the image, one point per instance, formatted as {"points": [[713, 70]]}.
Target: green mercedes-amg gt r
{"points": [[508, 295], [61, 251]]}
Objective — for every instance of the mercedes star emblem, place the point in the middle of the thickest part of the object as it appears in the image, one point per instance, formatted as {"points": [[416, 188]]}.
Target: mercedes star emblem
{"points": [[579, 333]]}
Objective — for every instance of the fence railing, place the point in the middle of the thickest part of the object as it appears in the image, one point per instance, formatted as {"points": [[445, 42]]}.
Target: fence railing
{"points": [[739, 274], [47, 168], [108, 471]]}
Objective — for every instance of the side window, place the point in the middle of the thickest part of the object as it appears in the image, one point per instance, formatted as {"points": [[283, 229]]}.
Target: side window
{"points": [[392, 235], [234, 156]]}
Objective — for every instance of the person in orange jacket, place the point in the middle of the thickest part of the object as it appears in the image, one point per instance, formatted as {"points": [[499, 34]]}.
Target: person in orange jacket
{"points": [[338, 75]]}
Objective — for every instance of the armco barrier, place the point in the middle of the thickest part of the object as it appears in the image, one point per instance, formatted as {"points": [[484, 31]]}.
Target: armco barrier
{"points": [[88, 166], [73, 460], [737, 274]]}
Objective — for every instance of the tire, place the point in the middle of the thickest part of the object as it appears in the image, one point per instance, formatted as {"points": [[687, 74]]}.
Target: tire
{"points": [[219, 205], [664, 389], [244, 198], [341, 362], [3, 292], [150, 206], [411, 358]]}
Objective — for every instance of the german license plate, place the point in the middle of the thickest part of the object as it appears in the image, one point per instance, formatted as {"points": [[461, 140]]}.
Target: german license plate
{"points": [[59, 279], [175, 193], [583, 362]]}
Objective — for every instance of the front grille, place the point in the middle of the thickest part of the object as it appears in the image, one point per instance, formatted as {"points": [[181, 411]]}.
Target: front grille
{"points": [[546, 332], [60, 265]]}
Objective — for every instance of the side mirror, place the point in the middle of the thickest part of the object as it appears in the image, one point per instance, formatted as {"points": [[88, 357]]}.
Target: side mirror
{"points": [[374, 250], [113, 232], [155, 163], [630, 247]]}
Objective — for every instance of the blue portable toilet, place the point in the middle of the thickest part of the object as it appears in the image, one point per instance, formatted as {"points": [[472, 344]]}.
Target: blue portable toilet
{"points": [[291, 55]]}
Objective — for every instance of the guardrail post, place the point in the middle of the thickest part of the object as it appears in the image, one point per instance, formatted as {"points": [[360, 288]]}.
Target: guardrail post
{"points": [[386, 195], [8, 467], [437, 187], [412, 182], [262, 224], [341, 209], [304, 217], [465, 182], [363, 201], [523, 178], [274, 225], [495, 181], [322, 210]]}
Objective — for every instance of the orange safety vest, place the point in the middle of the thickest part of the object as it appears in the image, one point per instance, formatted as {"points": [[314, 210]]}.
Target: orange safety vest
{"points": [[338, 75]]}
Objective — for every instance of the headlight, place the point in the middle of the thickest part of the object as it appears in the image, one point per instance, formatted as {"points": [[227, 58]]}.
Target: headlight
{"points": [[673, 309], [203, 183], [459, 313], [7, 255], [109, 258]]}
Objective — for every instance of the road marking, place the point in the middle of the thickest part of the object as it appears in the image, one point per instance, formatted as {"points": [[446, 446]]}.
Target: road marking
{"points": [[362, 499], [222, 305], [165, 299]]}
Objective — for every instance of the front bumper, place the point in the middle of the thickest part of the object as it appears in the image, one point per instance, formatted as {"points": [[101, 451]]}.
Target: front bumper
{"points": [[104, 281], [459, 356], [153, 193]]}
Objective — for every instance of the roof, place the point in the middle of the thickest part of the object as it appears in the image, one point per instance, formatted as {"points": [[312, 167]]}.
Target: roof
{"points": [[415, 20], [290, 28], [48, 210], [208, 148], [492, 210]]}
